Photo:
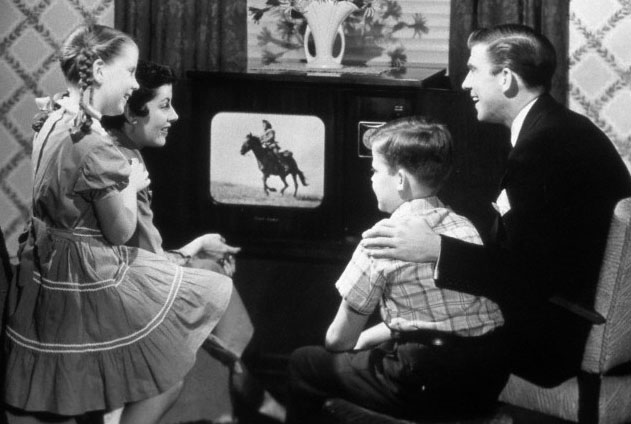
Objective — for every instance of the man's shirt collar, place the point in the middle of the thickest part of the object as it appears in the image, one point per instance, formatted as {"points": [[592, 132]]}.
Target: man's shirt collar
{"points": [[518, 122]]}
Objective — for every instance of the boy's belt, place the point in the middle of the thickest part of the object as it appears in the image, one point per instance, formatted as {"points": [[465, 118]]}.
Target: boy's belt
{"points": [[442, 338]]}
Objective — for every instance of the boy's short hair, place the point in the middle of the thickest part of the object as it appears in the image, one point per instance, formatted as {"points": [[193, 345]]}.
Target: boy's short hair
{"points": [[419, 145]]}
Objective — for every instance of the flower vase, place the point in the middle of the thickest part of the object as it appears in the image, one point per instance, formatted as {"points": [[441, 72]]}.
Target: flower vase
{"points": [[324, 19]]}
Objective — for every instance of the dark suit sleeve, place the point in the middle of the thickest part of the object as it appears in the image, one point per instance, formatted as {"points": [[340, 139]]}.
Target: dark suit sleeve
{"points": [[488, 271], [563, 180]]}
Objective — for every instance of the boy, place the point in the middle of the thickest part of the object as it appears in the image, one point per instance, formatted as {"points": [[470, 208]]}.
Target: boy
{"points": [[434, 349]]}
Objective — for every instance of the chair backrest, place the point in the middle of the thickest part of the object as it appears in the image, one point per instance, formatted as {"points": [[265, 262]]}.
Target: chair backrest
{"points": [[609, 344]]}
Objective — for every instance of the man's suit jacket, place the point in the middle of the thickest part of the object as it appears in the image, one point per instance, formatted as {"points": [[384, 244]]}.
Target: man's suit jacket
{"points": [[563, 179]]}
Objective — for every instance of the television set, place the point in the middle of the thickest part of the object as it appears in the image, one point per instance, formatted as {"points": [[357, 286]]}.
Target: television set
{"points": [[272, 201], [279, 162], [318, 123]]}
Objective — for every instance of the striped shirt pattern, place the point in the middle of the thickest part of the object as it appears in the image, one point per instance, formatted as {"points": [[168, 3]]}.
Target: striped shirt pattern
{"points": [[406, 292]]}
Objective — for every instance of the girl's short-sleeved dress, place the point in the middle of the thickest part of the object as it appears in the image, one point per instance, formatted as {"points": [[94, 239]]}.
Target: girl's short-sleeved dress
{"points": [[92, 325]]}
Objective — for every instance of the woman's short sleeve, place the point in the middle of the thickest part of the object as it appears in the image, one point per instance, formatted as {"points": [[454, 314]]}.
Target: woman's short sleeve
{"points": [[103, 169]]}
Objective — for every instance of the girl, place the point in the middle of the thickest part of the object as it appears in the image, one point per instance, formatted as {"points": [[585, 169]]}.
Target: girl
{"points": [[93, 324], [148, 116]]}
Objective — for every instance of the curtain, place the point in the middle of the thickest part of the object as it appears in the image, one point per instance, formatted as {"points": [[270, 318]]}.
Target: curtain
{"points": [[550, 17], [187, 34]]}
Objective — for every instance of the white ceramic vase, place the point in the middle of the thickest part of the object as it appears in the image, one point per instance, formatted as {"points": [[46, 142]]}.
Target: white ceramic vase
{"points": [[324, 19]]}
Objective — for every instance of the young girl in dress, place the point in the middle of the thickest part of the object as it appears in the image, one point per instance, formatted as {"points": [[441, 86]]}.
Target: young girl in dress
{"points": [[94, 324], [149, 114]]}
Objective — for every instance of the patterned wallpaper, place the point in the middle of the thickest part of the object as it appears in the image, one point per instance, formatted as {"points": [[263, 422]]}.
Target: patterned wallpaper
{"points": [[600, 67], [31, 32]]}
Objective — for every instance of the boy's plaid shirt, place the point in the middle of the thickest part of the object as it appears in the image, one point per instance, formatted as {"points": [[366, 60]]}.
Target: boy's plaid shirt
{"points": [[406, 292]]}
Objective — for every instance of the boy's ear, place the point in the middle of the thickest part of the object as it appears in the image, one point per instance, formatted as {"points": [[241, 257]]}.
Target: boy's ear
{"points": [[403, 182]]}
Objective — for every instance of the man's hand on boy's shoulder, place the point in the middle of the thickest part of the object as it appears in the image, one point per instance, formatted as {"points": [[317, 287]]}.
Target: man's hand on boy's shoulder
{"points": [[411, 240]]}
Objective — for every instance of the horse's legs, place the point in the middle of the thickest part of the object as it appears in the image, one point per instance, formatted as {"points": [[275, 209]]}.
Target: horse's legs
{"points": [[282, 190], [265, 188], [295, 184]]}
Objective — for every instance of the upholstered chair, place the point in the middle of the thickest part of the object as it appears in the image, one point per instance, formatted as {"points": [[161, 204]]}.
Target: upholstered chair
{"points": [[601, 393]]}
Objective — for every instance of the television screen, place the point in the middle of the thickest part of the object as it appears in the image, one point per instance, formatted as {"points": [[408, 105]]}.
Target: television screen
{"points": [[265, 159]]}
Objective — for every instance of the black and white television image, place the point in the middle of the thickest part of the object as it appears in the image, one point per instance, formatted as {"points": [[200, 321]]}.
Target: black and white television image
{"points": [[267, 159]]}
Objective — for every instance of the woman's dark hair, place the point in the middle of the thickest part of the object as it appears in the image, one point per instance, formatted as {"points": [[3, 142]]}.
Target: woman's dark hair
{"points": [[78, 53], [150, 76]]}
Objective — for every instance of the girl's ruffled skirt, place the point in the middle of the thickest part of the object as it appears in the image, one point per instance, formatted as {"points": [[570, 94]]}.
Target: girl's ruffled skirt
{"points": [[93, 326]]}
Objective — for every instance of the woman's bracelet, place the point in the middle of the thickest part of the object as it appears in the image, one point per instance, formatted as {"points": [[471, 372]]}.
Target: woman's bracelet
{"points": [[182, 259]]}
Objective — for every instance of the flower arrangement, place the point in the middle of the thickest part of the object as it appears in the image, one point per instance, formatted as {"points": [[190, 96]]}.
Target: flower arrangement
{"points": [[300, 6], [370, 31]]}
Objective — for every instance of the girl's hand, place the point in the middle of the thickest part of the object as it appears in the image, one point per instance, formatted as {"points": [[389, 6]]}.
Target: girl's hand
{"points": [[139, 177]]}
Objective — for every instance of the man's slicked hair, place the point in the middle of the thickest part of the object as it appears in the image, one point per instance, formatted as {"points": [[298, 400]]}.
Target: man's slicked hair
{"points": [[520, 49]]}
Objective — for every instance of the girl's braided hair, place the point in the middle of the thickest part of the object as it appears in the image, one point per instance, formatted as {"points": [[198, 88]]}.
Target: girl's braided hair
{"points": [[82, 48]]}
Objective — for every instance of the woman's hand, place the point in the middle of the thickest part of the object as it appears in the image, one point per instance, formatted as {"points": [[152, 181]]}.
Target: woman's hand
{"points": [[229, 265], [213, 246], [139, 177], [411, 240]]}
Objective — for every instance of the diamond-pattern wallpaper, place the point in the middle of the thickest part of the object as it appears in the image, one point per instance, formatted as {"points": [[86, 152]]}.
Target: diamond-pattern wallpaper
{"points": [[31, 32], [600, 67]]}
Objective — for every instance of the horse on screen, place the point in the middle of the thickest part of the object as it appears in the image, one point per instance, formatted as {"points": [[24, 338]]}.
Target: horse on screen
{"points": [[273, 163]]}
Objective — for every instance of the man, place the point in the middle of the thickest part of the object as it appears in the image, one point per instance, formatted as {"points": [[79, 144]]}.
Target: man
{"points": [[268, 138], [563, 178]]}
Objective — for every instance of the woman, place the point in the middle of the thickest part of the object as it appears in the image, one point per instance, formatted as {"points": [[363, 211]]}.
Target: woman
{"points": [[148, 116]]}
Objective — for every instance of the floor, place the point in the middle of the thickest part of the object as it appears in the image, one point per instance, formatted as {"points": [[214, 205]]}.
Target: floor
{"points": [[205, 396], [205, 399]]}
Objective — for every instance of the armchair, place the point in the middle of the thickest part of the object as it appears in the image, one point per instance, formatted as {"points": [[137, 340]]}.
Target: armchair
{"points": [[601, 393]]}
